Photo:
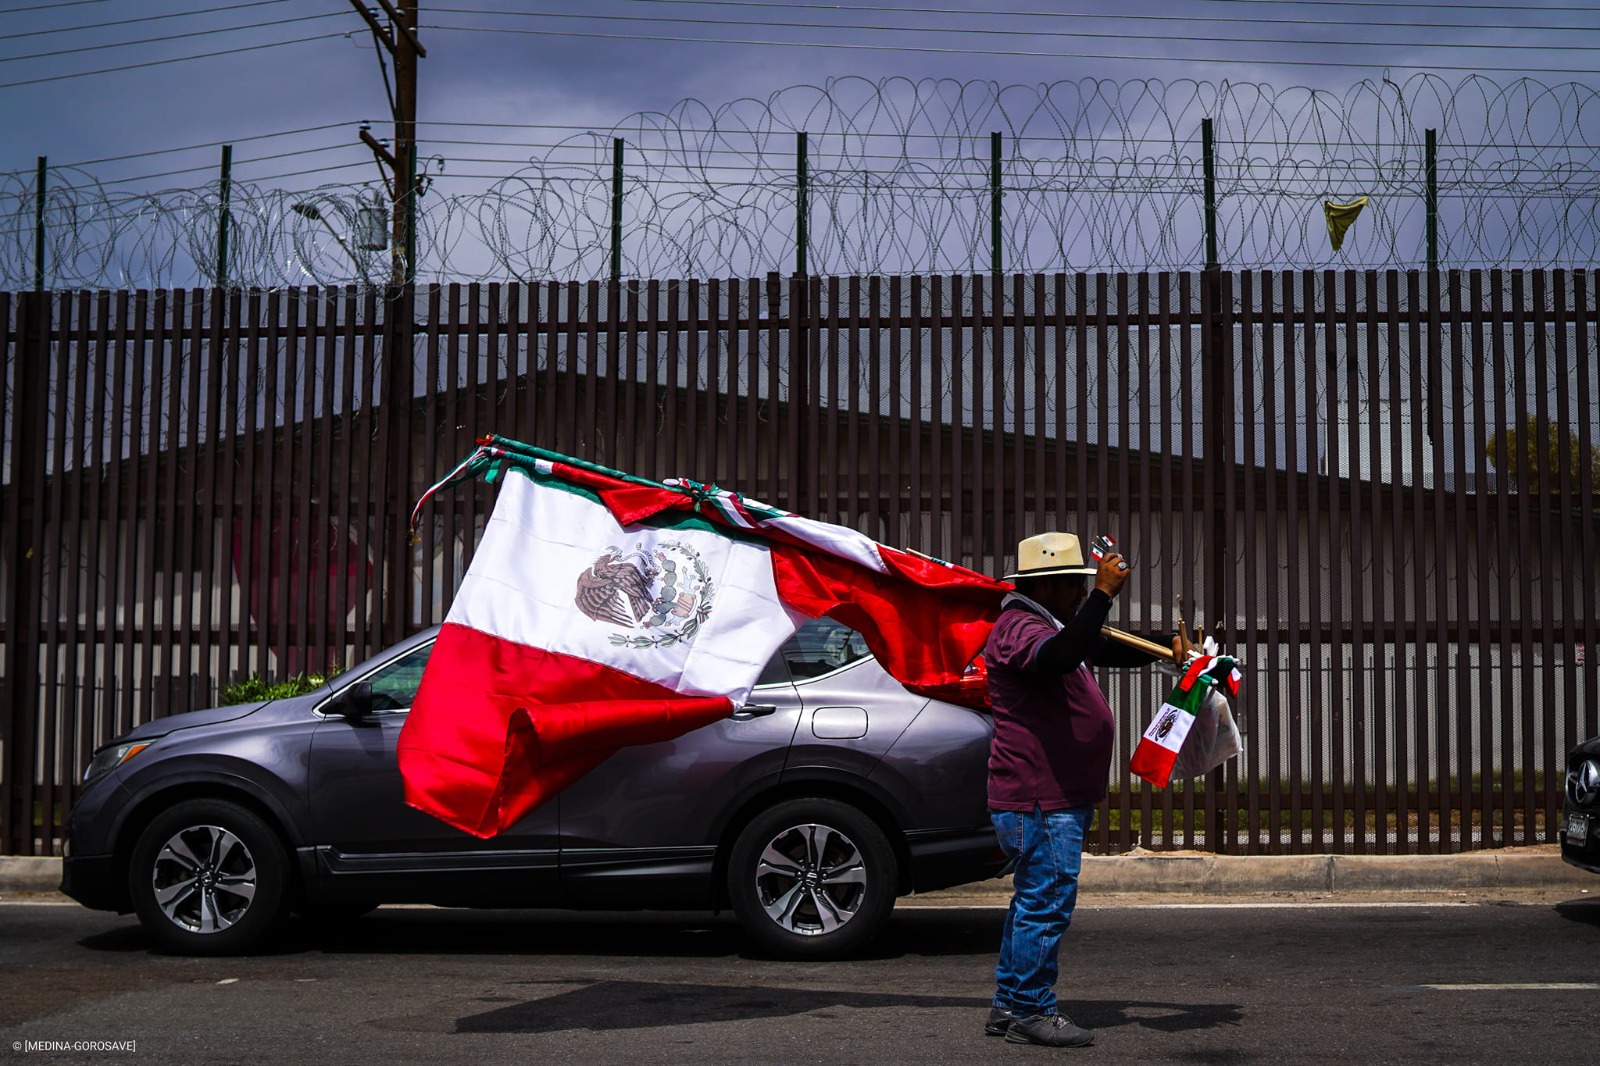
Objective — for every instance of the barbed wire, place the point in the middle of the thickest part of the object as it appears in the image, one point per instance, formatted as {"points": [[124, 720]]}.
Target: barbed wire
{"points": [[1095, 175]]}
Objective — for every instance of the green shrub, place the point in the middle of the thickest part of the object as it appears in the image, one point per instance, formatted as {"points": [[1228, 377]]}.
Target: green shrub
{"points": [[254, 688]]}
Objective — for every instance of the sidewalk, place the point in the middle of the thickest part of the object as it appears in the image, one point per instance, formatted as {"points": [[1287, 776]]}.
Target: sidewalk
{"points": [[1521, 874], [1531, 874]]}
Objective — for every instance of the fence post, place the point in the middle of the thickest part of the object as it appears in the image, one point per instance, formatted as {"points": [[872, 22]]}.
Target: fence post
{"points": [[223, 218], [994, 203], [1431, 194], [802, 206], [38, 228], [797, 437], [616, 209], [1216, 419], [1208, 164], [23, 513], [394, 614]]}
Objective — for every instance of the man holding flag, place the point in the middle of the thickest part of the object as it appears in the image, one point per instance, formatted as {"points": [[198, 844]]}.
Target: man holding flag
{"points": [[1049, 764]]}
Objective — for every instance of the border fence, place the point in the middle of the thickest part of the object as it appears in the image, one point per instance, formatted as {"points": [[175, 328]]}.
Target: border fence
{"points": [[1378, 487]]}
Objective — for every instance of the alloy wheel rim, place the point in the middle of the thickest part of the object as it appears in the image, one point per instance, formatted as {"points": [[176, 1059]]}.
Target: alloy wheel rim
{"points": [[811, 879], [204, 879]]}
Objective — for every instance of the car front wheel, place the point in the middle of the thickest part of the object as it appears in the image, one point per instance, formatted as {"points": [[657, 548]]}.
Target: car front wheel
{"points": [[812, 878], [209, 877]]}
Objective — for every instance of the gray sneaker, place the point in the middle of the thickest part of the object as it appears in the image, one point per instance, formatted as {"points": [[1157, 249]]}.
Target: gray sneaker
{"points": [[999, 1021], [1048, 1030]]}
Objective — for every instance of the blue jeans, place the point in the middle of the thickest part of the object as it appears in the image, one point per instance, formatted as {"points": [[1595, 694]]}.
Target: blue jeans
{"points": [[1048, 848]]}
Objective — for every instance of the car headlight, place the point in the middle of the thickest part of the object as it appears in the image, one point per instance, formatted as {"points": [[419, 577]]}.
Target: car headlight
{"points": [[108, 759]]}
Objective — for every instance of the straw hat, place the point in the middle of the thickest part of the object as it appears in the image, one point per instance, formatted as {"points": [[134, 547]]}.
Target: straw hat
{"points": [[1050, 553]]}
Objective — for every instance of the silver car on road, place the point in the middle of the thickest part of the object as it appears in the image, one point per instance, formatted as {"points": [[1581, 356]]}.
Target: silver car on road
{"points": [[808, 812]]}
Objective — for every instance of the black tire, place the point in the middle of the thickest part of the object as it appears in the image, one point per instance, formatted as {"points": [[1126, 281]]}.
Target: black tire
{"points": [[209, 877], [807, 905]]}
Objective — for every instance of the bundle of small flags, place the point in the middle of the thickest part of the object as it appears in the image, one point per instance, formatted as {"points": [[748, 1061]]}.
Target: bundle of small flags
{"points": [[1161, 743]]}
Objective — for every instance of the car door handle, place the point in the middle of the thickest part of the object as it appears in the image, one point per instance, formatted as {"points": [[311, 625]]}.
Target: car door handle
{"points": [[754, 710]]}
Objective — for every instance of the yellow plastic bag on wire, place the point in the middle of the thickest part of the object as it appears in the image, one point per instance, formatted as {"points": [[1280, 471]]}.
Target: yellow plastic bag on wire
{"points": [[1339, 217]]}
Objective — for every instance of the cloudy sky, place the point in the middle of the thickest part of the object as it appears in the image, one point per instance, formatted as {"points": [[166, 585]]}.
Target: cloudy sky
{"points": [[139, 95]]}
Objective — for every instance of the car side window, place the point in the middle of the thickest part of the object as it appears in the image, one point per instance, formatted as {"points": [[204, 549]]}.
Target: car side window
{"points": [[822, 646], [394, 684], [776, 672]]}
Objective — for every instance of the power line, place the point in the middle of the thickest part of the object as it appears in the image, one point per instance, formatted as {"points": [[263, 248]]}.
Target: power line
{"points": [[821, 135], [46, 7], [237, 181], [992, 12], [980, 188], [314, 170], [143, 18], [174, 37], [1052, 14], [994, 32], [818, 144], [236, 163], [1385, 4], [661, 39], [1044, 169], [196, 147], [162, 62]]}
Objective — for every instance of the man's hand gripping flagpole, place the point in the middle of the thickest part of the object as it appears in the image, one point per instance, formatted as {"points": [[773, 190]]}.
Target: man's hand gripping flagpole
{"points": [[1181, 647]]}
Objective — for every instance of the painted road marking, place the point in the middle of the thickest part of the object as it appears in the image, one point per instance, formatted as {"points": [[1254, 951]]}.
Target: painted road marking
{"points": [[1101, 904], [1524, 986]]}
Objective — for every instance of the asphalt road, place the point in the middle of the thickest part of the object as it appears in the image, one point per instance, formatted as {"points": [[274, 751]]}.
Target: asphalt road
{"points": [[1402, 983]]}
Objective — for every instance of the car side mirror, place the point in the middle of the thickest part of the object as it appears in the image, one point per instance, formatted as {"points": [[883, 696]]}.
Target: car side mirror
{"points": [[353, 703]]}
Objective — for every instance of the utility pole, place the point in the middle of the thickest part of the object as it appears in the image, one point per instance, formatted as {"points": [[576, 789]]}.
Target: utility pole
{"points": [[399, 38]]}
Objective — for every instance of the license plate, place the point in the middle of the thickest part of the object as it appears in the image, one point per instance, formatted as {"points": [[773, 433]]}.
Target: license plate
{"points": [[1577, 828]]}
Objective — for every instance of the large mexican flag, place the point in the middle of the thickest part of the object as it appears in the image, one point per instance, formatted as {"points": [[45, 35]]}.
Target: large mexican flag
{"points": [[603, 610]]}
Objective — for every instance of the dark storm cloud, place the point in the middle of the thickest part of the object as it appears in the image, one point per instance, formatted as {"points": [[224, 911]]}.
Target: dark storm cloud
{"points": [[584, 80]]}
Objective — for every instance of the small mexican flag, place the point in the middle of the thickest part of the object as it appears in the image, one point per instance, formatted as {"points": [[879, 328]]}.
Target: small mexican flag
{"points": [[603, 610], [1158, 748]]}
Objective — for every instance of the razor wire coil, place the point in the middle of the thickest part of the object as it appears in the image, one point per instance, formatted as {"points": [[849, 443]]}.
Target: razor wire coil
{"points": [[1096, 176]]}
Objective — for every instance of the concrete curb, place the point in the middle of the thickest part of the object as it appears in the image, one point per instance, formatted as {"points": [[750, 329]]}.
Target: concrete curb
{"points": [[1207, 874], [1196, 874], [23, 873]]}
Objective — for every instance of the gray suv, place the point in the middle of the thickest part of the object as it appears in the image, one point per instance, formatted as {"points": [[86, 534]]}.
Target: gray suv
{"points": [[832, 792]]}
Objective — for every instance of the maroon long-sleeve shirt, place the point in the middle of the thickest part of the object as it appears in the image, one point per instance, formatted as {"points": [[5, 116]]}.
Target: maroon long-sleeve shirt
{"points": [[1053, 730]]}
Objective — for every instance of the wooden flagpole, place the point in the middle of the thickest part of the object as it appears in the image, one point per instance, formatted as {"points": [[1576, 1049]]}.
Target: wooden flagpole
{"points": [[1149, 647]]}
